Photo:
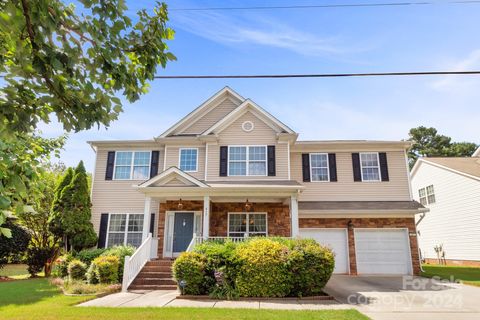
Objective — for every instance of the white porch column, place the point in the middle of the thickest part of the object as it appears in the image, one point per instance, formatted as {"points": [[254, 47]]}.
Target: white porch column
{"points": [[206, 217], [294, 215], [146, 217]]}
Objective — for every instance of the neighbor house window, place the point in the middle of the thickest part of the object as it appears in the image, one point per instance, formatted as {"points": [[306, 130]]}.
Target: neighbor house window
{"points": [[319, 167], [430, 194], [370, 166], [188, 159], [422, 196], [247, 224], [125, 229], [132, 165], [247, 160]]}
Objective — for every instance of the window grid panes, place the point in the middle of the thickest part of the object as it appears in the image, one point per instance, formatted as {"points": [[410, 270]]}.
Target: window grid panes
{"points": [[188, 159], [247, 161], [422, 196], [125, 229], [132, 165], [319, 167], [430, 194], [370, 166], [247, 225]]}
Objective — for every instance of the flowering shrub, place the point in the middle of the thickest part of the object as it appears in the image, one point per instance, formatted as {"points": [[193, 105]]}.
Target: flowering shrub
{"points": [[77, 270]]}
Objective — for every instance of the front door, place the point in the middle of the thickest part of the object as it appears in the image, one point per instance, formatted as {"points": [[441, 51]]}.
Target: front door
{"points": [[182, 231]]}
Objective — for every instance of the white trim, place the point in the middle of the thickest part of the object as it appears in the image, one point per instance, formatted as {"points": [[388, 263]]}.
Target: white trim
{"points": [[409, 178], [125, 232], [247, 161], [250, 123], [311, 167], [206, 161], [247, 231], [169, 252], [378, 167], [294, 214], [131, 164], [288, 159], [206, 217], [415, 168], [180, 158], [476, 153], [169, 171], [165, 158]]}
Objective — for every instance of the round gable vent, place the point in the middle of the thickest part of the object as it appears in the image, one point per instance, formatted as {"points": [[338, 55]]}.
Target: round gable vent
{"points": [[247, 126]]}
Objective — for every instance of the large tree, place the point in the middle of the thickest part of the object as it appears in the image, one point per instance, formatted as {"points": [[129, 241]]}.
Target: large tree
{"points": [[68, 63], [427, 142]]}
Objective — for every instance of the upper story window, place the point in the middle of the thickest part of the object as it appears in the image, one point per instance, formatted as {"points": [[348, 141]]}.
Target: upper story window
{"points": [[132, 165], [370, 166], [422, 196], [427, 195], [430, 194], [319, 167], [247, 160], [189, 159]]}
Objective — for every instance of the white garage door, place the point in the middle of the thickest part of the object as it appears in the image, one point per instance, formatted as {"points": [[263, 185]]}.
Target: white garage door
{"points": [[382, 251], [335, 239]]}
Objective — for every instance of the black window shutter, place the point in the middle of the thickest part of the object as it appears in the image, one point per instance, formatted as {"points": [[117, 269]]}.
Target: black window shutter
{"points": [[332, 166], [271, 160], [110, 164], [383, 166], [102, 233], [306, 167], [223, 161], [357, 171], [154, 163], [152, 223]]}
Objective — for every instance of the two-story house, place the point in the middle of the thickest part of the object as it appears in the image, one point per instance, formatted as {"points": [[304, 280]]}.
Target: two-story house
{"points": [[231, 169]]}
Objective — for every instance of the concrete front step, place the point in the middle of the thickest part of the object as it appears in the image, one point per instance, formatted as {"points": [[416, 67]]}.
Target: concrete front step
{"points": [[153, 281], [152, 287]]}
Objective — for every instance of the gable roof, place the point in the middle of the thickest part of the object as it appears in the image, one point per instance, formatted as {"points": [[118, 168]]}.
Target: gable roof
{"points": [[248, 105], [466, 166], [476, 153], [225, 92], [170, 174]]}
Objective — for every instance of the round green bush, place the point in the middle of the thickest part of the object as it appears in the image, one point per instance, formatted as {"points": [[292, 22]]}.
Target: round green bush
{"points": [[77, 270], [190, 267], [87, 255], [311, 266], [106, 269], [263, 269], [60, 267], [120, 252]]}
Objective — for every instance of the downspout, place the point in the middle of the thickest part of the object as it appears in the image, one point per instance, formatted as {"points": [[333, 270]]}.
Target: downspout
{"points": [[422, 216]]}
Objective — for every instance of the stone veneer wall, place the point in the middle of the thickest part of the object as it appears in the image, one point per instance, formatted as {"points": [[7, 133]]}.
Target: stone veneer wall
{"points": [[367, 223]]}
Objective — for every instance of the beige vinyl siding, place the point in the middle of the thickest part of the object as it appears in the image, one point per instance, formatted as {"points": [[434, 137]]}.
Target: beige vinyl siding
{"points": [[116, 196], [345, 189], [173, 158], [454, 218], [262, 134], [207, 120]]}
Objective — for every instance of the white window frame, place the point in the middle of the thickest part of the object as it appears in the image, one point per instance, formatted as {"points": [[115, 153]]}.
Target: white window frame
{"points": [[378, 167], [247, 161], [311, 167], [420, 197], [180, 159], [125, 233], [131, 163], [247, 231], [428, 194]]}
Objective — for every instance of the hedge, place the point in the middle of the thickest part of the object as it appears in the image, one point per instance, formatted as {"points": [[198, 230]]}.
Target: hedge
{"points": [[77, 270]]}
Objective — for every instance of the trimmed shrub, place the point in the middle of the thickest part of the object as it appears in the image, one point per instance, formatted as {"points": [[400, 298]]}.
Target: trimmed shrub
{"points": [[263, 269], [60, 267], [312, 266], [87, 255], [190, 267], [106, 269], [120, 252], [77, 270], [92, 274]]}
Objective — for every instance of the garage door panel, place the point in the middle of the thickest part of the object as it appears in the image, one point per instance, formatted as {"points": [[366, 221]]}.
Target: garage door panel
{"points": [[336, 239]]}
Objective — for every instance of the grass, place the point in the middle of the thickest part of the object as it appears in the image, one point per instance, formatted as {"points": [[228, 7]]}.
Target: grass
{"points": [[467, 275], [15, 271], [38, 299]]}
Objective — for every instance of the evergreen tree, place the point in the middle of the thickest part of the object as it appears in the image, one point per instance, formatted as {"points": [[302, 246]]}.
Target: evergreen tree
{"points": [[55, 220]]}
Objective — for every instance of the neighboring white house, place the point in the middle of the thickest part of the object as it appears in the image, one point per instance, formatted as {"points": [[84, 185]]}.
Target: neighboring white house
{"points": [[450, 188]]}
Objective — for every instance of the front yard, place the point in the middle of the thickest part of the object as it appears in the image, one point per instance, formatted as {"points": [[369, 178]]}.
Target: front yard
{"points": [[467, 275], [37, 299]]}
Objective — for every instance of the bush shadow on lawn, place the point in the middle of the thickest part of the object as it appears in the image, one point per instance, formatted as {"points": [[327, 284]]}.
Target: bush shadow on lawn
{"points": [[27, 291]]}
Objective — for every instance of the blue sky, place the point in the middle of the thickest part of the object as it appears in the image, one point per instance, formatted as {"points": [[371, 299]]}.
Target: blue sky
{"points": [[373, 39]]}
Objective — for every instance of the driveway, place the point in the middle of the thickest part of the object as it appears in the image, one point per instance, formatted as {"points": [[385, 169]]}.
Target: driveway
{"points": [[396, 297]]}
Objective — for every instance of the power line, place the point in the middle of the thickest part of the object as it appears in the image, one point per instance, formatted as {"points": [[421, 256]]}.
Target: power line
{"points": [[323, 75], [324, 6]]}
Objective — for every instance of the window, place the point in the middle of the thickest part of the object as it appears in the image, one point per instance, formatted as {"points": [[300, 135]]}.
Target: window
{"points": [[370, 166], [430, 194], [133, 165], [247, 161], [247, 224], [423, 196], [125, 229], [188, 159], [319, 167]]}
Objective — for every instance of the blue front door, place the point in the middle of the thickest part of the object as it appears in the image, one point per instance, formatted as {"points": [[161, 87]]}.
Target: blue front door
{"points": [[182, 231]]}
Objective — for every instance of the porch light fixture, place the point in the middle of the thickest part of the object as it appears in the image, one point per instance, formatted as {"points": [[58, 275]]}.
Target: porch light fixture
{"points": [[180, 204], [248, 206]]}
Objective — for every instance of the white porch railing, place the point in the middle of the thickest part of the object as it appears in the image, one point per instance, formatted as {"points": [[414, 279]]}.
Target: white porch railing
{"points": [[135, 263], [198, 240]]}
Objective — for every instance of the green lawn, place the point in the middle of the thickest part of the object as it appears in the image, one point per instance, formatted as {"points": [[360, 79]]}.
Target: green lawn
{"points": [[15, 271], [468, 275], [37, 299]]}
